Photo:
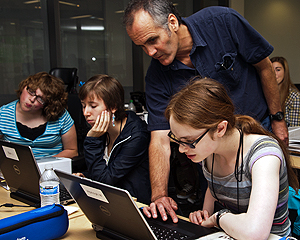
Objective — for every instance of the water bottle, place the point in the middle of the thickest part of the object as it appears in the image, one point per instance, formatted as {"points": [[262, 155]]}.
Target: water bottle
{"points": [[131, 106], [49, 187]]}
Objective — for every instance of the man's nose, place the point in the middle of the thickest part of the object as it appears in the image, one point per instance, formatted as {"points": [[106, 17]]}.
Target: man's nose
{"points": [[151, 51]]}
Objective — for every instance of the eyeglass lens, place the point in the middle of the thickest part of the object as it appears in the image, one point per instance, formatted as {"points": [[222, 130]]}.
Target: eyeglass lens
{"points": [[38, 98]]}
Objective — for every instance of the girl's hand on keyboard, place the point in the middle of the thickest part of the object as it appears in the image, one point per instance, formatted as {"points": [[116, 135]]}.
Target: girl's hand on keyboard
{"points": [[198, 217]]}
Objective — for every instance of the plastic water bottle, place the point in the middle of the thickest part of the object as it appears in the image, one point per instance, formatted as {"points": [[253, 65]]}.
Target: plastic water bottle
{"points": [[49, 187], [131, 106]]}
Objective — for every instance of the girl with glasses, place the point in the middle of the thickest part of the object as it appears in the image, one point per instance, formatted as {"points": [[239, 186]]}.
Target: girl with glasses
{"points": [[39, 118], [247, 168]]}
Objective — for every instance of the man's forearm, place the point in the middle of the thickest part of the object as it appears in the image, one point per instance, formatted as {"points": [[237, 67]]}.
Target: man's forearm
{"points": [[272, 95], [269, 85], [159, 164]]}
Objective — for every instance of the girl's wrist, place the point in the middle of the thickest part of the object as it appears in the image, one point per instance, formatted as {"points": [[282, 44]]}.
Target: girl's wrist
{"points": [[220, 214]]}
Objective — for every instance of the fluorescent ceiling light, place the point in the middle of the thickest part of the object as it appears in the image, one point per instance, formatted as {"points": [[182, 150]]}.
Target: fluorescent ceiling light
{"points": [[70, 4], [61, 2], [92, 28], [37, 22], [85, 28], [83, 16], [33, 1]]}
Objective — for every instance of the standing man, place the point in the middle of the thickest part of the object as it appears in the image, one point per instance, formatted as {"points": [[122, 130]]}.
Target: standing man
{"points": [[215, 42]]}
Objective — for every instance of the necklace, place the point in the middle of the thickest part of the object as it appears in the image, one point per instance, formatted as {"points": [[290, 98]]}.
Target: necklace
{"points": [[238, 174]]}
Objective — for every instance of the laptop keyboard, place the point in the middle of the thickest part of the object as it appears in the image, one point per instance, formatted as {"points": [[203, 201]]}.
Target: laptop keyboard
{"points": [[64, 194], [167, 233]]}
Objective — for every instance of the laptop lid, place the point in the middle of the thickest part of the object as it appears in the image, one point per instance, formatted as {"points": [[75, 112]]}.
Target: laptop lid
{"points": [[21, 172], [115, 213]]}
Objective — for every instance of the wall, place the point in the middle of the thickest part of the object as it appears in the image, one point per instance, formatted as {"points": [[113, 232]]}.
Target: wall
{"points": [[238, 5], [278, 21]]}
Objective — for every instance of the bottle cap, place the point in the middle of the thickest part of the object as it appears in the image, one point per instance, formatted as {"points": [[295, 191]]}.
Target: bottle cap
{"points": [[48, 166]]}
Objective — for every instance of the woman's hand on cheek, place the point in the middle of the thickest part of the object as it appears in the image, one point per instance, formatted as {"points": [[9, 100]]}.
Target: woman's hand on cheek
{"points": [[101, 125]]}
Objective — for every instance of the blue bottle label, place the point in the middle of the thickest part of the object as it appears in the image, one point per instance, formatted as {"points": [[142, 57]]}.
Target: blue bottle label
{"points": [[49, 190]]}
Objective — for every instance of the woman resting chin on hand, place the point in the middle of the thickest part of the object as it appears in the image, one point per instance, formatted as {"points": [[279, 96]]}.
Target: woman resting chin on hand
{"points": [[116, 147]]}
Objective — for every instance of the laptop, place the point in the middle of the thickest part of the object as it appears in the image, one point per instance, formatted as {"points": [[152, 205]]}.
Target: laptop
{"points": [[114, 214], [22, 174]]}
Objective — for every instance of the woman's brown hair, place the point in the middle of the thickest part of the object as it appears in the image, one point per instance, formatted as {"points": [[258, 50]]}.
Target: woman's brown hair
{"points": [[284, 86], [109, 90], [53, 90], [204, 103]]}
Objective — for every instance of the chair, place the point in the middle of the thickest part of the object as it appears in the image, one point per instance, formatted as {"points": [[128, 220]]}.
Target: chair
{"points": [[68, 75], [82, 127], [70, 78]]}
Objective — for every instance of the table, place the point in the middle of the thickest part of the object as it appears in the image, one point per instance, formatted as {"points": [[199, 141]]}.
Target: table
{"points": [[79, 226], [295, 161]]}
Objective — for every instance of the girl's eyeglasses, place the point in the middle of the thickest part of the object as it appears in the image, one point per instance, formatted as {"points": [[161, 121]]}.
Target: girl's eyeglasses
{"points": [[186, 144], [38, 98]]}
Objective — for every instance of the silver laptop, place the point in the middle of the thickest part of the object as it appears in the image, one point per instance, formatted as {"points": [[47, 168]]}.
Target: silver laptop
{"points": [[22, 174], [114, 214]]}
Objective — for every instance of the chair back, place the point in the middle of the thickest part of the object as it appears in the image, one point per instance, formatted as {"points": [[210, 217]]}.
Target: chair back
{"points": [[68, 75], [70, 78]]}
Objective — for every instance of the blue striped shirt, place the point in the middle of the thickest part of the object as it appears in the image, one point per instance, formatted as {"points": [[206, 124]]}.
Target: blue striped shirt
{"points": [[47, 144]]}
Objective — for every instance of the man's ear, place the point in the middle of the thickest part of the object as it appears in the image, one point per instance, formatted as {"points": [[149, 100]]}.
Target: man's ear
{"points": [[221, 128], [173, 22], [113, 111]]}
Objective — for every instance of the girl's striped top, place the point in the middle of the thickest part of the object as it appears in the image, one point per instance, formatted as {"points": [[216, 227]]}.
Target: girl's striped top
{"points": [[226, 187], [47, 144]]}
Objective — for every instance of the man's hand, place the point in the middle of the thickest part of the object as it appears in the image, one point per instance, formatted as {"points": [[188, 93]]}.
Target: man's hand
{"points": [[162, 204], [279, 128], [79, 174]]}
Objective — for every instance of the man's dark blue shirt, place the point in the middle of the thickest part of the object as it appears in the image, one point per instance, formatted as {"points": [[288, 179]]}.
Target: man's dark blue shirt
{"points": [[224, 48]]}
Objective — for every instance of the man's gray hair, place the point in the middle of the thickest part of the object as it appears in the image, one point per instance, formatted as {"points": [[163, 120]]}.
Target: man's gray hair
{"points": [[159, 10]]}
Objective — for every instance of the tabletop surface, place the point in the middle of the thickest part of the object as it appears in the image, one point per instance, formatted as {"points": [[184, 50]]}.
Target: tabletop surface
{"points": [[79, 225]]}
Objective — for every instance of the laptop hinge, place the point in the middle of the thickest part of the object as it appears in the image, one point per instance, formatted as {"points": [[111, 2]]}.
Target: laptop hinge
{"points": [[22, 197], [107, 234]]}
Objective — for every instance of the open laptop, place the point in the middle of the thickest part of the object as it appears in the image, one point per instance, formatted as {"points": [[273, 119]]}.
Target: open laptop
{"points": [[114, 214], [22, 174]]}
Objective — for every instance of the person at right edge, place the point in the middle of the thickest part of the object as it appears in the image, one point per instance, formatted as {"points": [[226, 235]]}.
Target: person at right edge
{"points": [[216, 42], [289, 94]]}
